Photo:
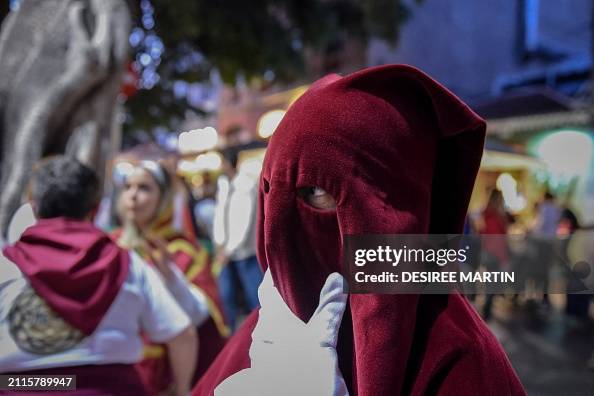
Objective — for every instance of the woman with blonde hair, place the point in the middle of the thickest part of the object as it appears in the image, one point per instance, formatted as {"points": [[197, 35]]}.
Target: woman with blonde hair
{"points": [[146, 210]]}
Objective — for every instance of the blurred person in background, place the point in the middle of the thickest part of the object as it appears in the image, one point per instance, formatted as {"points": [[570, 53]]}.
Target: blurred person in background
{"points": [[235, 236], [543, 235], [495, 250], [204, 205], [145, 207], [72, 302], [577, 305], [547, 217]]}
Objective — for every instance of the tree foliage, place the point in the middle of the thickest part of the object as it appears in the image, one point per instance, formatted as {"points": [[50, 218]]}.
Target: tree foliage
{"points": [[253, 39]]}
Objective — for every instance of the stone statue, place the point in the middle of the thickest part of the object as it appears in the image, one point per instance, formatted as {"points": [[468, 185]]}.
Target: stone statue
{"points": [[61, 65]]}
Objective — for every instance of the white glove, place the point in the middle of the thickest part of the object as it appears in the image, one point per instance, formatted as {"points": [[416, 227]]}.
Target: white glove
{"points": [[290, 357]]}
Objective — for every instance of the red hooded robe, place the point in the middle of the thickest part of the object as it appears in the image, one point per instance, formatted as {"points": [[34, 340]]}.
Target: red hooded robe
{"points": [[399, 153]]}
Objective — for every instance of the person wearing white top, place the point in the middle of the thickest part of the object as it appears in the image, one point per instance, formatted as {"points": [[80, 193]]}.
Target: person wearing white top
{"points": [[235, 237], [71, 299], [143, 305]]}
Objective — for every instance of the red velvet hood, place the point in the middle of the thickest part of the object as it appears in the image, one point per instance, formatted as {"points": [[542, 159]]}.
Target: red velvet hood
{"points": [[77, 269], [399, 153]]}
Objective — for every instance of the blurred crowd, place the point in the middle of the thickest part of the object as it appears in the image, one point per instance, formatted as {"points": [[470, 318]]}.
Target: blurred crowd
{"points": [[548, 253], [193, 275], [541, 252]]}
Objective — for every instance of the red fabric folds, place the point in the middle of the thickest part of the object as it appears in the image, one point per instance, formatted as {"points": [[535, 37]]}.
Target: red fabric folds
{"points": [[399, 153], [74, 267]]}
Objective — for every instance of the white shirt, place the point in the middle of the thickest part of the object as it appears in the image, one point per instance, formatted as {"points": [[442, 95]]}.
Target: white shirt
{"points": [[235, 216], [142, 304], [189, 297]]}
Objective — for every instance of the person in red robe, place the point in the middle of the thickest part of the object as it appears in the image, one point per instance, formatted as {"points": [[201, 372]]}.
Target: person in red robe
{"points": [[386, 150], [494, 222], [146, 209]]}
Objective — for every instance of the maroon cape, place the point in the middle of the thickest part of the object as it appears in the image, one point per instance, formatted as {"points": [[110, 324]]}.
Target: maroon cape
{"points": [[399, 154], [73, 266]]}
